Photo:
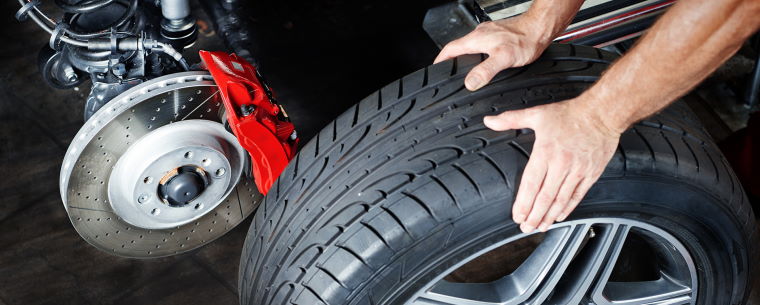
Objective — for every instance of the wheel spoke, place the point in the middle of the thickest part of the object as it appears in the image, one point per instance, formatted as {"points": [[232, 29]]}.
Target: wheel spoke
{"points": [[460, 294], [567, 250], [664, 291], [601, 252], [538, 274]]}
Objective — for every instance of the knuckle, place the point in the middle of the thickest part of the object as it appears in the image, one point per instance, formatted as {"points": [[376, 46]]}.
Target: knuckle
{"points": [[574, 201], [500, 51], [544, 199], [561, 200], [480, 71], [535, 219], [522, 209], [578, 195], [528, 184], [566, 157]]}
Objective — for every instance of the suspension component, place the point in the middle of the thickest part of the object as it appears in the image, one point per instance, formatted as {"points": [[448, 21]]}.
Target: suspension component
{"points": [[260, 125]]}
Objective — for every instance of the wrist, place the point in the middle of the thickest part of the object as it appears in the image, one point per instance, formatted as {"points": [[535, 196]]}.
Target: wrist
{"points": [[540, 29], [550, 18], [594, 108]]}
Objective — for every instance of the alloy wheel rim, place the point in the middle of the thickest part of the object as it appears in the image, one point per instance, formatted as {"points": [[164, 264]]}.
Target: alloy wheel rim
{"points": [[573, 264]]}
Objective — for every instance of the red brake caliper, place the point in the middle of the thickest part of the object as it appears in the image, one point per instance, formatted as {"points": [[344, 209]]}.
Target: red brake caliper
{"points": [[260, 125]]}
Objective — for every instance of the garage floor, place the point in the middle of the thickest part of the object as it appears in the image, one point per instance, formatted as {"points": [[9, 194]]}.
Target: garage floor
{"points": [[321, 58]]}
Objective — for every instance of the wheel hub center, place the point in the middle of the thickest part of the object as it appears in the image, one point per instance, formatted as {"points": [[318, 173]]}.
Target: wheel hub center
{"points": [[182, 185]]}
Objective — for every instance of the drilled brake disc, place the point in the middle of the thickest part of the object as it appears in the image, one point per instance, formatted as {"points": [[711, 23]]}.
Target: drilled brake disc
{"points": [[119, 180]]}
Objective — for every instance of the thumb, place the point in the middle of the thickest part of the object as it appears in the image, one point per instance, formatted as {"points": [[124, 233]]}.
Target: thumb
{"points": [[485, 71], [513, 119]]}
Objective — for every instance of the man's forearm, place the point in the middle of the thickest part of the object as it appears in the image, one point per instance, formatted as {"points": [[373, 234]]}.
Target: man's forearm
{"points": [[687, 44], [551, 17]]}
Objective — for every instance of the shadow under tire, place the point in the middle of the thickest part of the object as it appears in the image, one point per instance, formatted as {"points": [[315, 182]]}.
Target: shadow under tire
{"points": [[387, 203]]}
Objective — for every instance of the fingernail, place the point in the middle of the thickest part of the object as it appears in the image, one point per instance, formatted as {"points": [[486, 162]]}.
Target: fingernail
{"points": [[543, 227], [561, 217], [488, 121], [473, 83], [519, 218], [526, 228]]}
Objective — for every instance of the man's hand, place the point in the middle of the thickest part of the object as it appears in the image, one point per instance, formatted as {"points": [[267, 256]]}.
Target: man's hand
{"points": [[512, 42], [573, 146]]}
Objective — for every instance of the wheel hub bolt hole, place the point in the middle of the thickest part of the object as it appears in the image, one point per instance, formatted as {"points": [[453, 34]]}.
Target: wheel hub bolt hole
{"points": [[206, 162], [198, 206], [220, 172], [148, 180], [188, 155], [143, 198], [155, 212]]}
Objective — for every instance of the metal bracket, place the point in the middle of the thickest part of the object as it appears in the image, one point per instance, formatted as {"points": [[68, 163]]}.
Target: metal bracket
{"points": [[23, 13]]}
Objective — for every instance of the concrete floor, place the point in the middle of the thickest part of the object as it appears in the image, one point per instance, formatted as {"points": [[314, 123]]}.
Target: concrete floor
{"points": [[321, 58]]}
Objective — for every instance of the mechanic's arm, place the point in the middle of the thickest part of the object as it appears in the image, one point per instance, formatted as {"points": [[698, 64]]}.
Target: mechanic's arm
{"points": [[575, 139], [512, 42]]}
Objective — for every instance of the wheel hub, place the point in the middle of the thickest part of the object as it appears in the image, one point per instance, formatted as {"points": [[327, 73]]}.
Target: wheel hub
{"points": [[161, 182], [182, 185]]}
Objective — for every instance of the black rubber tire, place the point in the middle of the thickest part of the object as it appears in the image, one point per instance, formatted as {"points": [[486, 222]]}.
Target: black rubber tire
{"points": [[409, 180]]}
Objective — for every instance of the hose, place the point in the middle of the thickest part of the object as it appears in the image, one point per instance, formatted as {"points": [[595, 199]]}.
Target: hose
{"points": [[83, 6], [45, 27], [61, 31], [169, 50], [79, 39]]}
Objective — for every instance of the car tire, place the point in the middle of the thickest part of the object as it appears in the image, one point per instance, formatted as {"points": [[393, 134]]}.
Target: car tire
{"points": [[408, 186]]}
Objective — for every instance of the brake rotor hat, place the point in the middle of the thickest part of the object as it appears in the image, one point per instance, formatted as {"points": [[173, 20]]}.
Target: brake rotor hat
{"points": [[155, 173]]}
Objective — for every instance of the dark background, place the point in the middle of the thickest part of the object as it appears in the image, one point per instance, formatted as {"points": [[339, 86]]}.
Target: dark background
{"points": [[321, 57]]}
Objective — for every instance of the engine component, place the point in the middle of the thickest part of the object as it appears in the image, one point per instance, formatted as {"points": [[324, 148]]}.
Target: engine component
{"points": [[154, 172], [57, 71], [178, 26], [116, 43], [231, 27], [175, 9], [261, 126]]}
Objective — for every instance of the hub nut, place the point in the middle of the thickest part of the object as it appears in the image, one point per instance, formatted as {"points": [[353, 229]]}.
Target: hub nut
{"points": [[182, 185]]}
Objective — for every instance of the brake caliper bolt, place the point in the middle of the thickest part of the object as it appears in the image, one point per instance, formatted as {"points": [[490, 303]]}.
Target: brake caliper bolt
{"points": [[247, 109]]}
